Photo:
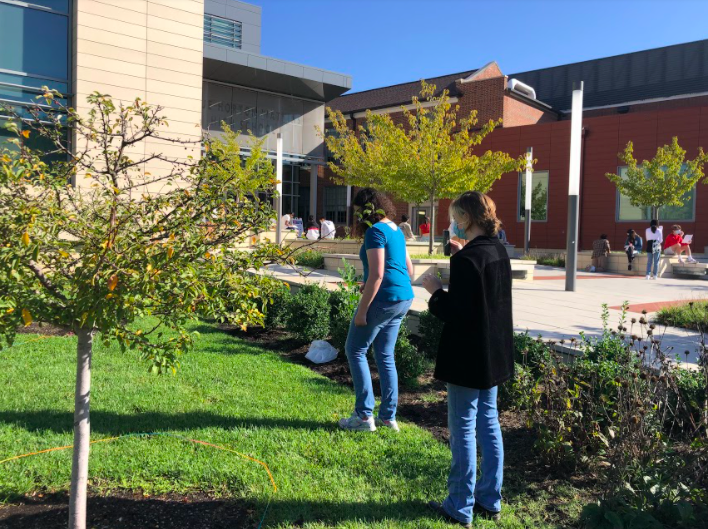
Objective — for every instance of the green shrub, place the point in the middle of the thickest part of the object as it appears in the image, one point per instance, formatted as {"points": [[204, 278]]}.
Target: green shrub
{"points": [[410, 362], [308, 314], [342, 303], [430, 330], [515, 394], [311, 258], [530, 351], [277, 306]]}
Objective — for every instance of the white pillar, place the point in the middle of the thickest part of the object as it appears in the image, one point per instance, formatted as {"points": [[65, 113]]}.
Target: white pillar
{"points": [[349, 205], [576, 130], [527, 199], [313, 191], [279, 189]]}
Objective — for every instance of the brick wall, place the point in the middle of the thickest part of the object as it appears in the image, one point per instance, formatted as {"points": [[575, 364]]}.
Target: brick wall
{"points": [[604, 137], [517, 113]]}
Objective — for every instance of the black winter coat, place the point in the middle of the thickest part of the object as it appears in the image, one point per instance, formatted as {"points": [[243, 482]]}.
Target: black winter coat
{"points": [[477, 344]]}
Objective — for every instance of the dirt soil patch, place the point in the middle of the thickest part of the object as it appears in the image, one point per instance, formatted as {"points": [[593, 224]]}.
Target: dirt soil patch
{"points": [[130, 511], [44, 329]]}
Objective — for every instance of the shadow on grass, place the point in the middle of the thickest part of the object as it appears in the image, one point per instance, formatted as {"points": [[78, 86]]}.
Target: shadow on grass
{"points": [[122, 511], [120, 423]]}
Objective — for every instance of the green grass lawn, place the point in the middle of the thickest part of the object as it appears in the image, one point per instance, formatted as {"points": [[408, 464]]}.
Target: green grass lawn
{"points": [[236, 395], [690, 315]]}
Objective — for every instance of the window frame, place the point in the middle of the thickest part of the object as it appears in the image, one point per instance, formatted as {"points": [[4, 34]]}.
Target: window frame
{"points": [[209, 34], [340, 210], [519, 198], [618, 196]]}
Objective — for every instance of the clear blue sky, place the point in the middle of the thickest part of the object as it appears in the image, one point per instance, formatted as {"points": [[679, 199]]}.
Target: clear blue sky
{"points": [[383, 42]]}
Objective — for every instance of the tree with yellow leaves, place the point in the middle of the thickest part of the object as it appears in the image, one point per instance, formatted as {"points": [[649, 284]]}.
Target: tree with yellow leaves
{"points": [[430, 158], [123, 243]]}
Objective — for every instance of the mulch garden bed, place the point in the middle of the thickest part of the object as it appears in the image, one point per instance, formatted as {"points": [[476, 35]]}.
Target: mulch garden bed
{"points": [[123, 510]]}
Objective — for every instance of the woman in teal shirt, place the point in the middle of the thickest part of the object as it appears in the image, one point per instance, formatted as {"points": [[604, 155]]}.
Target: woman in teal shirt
{"points": [[386, 297]]}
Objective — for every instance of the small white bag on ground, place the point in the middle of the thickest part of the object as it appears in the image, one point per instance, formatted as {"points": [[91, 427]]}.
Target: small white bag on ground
{"points": [[321, 352]]}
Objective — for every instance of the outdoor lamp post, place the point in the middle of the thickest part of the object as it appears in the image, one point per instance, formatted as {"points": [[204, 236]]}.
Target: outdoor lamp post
{"points": [[576, 125], [279, 189], [527, 199]]}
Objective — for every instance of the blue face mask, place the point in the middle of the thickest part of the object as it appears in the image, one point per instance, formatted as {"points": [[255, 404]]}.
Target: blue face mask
{"points": [[459, 232]]}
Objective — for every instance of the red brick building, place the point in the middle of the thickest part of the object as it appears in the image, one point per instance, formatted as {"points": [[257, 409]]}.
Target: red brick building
{"points": [[646, 97]]}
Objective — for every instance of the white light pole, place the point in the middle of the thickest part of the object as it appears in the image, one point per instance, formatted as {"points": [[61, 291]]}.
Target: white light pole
{"points": [[576, 128], [279, 189], [527, 199]]}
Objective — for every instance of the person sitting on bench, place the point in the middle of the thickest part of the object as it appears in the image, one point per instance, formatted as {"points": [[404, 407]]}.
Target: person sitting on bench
{"points": [[675, 245], [633, 246]]}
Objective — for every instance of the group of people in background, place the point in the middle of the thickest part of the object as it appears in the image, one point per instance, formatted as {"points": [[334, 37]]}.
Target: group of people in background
{"points": [[676, 243], [324, 230]]}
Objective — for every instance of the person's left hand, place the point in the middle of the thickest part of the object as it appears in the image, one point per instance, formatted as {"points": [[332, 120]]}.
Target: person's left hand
{"points": [[360, 319], [431, 283]]}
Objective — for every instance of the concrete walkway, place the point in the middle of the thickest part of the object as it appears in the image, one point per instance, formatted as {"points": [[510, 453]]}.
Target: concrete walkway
{"points": [[543, 307]]}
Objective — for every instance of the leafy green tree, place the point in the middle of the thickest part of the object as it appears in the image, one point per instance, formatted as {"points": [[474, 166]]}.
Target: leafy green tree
{"points": [[121, 243], [665, 180], [429, 158]]}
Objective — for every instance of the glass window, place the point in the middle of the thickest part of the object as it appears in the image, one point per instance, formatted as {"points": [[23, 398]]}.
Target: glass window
{"points": [[335, 204], [34, 41], [627, 212], [539, 196], [222, 31]]}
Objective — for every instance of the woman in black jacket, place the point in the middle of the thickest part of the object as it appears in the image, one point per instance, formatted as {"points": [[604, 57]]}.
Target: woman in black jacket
{"points": [[475, 355]]}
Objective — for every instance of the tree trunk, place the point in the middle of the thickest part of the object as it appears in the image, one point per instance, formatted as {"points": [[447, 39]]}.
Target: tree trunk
{"points": [[432, 225], [655, 213], [82, 430]]}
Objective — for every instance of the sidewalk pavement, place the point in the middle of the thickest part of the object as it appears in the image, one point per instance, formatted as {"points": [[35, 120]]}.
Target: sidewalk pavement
{"points": [[543, 307]]}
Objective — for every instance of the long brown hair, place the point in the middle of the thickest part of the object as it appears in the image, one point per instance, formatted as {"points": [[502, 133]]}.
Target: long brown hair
{"points": [[372, 204], [480, 210]]}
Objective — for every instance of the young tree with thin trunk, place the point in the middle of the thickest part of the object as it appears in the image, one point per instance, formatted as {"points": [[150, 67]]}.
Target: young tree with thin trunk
{"points": [[120, 243], [430, 158], [662, 181]]}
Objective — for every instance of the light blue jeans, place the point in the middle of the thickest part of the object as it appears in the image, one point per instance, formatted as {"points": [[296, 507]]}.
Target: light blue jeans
{"points": [[383, 320], [473, 420], [653, 259]]}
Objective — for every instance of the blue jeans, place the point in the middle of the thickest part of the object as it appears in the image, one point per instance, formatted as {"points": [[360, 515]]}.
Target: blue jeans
{"points": [[473, 419], [383, 320], [653, 259]]}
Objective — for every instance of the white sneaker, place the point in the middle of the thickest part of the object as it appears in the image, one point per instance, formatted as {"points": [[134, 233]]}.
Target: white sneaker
{"points": [[388, 424], [691, 260], [648, 277], [357, 424], [680, 259], [653, 278]]}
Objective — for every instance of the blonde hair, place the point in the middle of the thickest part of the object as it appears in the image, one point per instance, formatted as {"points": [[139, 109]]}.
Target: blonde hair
{"points": [[480, 210]]}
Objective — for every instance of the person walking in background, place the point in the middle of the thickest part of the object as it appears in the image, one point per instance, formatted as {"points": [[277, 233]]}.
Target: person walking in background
{"points": [[600, 251], [502, 234], [313, 230], [675, 245], [632, 246], [477, 360], [327, 231], [406, 228], [424, 230], [654, 237], [386, 297]]}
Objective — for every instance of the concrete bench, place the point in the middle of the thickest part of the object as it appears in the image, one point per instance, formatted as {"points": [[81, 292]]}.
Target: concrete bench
{"points": [[690, 270], [520, 269]]}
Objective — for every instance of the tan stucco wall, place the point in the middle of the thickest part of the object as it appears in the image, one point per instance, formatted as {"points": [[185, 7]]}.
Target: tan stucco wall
{"points": [[152, 49]]}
